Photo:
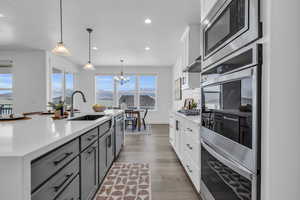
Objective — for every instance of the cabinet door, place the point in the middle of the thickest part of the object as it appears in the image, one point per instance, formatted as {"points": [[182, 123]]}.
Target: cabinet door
{"points": [[89, 171], [119, 136], [71, 192], [102, 158], [109, 150], [177, 137]]}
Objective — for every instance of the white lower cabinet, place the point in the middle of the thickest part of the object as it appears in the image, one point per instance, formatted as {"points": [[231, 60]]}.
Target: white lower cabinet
{"points": [[172, 130], [187, 147]]}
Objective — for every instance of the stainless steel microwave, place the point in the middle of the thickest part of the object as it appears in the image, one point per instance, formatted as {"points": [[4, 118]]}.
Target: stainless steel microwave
{"points": [[229, 26]]}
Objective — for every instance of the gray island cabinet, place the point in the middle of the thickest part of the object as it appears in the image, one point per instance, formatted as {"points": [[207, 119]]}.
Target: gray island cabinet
{"points": [[73, 170]]}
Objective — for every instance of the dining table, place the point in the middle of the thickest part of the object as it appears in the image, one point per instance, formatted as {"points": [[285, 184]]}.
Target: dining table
{"points": [[136, 113]]}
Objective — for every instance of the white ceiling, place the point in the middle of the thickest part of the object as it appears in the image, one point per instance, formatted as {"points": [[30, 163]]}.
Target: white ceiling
{"points": [[119, 29]]}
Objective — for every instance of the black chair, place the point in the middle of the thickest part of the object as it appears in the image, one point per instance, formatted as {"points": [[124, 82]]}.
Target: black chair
{"points": [[130, 119], [145, 115], [1, 109]]}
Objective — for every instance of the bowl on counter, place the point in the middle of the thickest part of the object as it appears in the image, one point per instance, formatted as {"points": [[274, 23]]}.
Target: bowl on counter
{"points": [[99, 108]]}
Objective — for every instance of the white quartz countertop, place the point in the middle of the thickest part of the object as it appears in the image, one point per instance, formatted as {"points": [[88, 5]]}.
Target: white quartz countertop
{"points": [[194, 119], [32, 138]]}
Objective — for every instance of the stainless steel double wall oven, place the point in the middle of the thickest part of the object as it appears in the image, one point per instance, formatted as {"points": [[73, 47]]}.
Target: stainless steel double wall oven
{"points": [[230, 133]]}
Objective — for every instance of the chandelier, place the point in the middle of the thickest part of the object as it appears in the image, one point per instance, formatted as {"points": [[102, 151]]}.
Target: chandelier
{"points": [[121, 78]]}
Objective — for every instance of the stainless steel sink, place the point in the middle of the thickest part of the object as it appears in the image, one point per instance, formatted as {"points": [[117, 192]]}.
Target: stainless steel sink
{"points": [[87, 118]]}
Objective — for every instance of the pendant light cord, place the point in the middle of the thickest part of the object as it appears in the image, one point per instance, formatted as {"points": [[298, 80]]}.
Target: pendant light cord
{"points": [[89, 30], [89, 47], [61, 23]]}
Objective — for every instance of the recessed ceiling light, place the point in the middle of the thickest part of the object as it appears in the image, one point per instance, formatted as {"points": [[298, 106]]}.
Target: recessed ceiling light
{"points": [[1, 15], [147, 48], [95, 48], [206, 22], [148, 21]]}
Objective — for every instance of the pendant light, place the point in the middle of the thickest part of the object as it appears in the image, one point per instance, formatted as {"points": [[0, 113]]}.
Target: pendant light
{"points": [[121, 78], [89, 65], [60, 48]]}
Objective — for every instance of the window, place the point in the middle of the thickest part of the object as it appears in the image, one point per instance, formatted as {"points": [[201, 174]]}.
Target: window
{"points": [[147, 94], [139, 92], [69, 85], [62, 86], [127, 92], [57, 85], [105, 90], [6, 89]]}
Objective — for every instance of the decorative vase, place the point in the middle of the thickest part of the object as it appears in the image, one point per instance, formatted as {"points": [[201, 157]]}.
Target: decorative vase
{"points": [[57, 113]]}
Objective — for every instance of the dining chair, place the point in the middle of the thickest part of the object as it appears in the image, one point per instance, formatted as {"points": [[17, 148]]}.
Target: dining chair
{"points": [[145, 115], [130, 119], [1, 109]]}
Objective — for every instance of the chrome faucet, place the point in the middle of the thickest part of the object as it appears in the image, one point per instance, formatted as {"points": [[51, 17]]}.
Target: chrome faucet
{"points": [[72, 101]]}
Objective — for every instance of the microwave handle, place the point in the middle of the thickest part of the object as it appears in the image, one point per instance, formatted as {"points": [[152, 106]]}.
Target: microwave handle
{"points": [[231, 164]]}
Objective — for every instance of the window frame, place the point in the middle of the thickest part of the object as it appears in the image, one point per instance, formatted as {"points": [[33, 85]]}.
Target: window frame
{"points": [[137, 86], [64, 72]]}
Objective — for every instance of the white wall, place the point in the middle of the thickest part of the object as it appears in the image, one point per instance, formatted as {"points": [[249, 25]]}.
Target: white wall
{"points": [[86, 81], [29, 75], [31, 78], [281, 98]]}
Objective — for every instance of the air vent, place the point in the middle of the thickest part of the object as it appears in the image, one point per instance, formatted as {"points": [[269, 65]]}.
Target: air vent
{"points": [[6, 63]]}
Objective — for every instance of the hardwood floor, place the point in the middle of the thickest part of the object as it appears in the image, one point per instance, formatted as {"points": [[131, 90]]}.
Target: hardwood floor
{"points": [[169, 182]]}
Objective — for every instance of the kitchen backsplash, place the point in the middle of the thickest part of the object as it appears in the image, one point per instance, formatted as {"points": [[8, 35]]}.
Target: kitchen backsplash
{"points": [[195, 94]]}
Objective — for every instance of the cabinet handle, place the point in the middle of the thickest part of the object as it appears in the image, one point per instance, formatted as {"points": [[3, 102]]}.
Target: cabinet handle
{"points": [[69, 199], [92, 150], [189, 146], [57, 188], [191, 171], [91, 137], [56, 162], [191, 130]]}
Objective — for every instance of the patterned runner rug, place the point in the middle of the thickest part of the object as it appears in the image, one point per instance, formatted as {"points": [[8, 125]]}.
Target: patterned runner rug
{"points": [[126, 181]]}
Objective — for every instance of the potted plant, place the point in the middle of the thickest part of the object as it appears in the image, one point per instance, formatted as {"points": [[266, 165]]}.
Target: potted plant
{"points": [[58, 108]]}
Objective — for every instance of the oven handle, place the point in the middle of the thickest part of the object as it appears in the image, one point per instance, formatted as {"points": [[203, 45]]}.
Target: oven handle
{"points": [[228, 162], [230, 119]]}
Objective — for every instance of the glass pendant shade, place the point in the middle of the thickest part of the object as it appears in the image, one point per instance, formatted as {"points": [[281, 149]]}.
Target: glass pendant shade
{"points": [[61, 50], [89, 66]]}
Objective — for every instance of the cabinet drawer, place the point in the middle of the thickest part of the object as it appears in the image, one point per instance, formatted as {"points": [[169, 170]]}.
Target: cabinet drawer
{"points": [[88, 138], [44, 167], [71, 192], [193, 171], [56, 184], [104, 128], [193, 150], [193, 133]]}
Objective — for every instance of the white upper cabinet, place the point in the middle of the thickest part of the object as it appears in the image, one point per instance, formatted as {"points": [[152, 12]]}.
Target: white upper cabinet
{"points": [[190, 42], [206, 6]]}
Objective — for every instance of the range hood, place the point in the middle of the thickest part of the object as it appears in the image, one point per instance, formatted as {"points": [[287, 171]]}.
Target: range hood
{"points": [[195, 67]]}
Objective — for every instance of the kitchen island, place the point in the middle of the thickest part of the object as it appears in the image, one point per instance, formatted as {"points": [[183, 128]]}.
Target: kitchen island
{"points": [[35, 152]]}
